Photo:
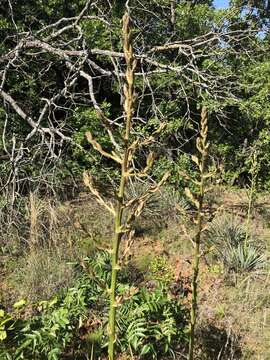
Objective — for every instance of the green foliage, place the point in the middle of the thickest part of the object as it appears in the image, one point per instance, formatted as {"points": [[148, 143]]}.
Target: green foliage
{"points": [[197, 18], [48, 333], [6, 324], [152, 324], [182, 163], [149, 322], [161, 271], [57, 321], [244, 102]]}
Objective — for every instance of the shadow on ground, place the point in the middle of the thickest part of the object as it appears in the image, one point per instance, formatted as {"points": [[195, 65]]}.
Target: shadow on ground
{"points": [[218, 344]]}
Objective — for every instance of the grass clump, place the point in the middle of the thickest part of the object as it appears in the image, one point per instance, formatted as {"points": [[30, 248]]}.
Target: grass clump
{"points": [[42, 273]]}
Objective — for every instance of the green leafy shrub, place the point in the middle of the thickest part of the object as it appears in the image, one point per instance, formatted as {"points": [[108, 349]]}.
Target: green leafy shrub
{"points": [[160, 270], [152, 324], [149, 323], [175, 165], [46, 334], [6, 324]]}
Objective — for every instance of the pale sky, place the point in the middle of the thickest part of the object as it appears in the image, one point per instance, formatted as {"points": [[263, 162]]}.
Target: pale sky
{"points": [[221, 3]]}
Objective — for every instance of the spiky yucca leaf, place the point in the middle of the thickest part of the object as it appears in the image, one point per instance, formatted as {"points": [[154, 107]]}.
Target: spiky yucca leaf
{"points": [[227, 236]]}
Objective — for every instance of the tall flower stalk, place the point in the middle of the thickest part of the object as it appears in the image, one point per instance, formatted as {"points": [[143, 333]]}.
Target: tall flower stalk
{"points": [[124, 211], [125, 167], [197, 198]]}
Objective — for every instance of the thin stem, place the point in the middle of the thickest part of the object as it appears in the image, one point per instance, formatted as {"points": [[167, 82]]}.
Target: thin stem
{"points": [[194, 285], [254, 173], [92, 352], [115, 266]]}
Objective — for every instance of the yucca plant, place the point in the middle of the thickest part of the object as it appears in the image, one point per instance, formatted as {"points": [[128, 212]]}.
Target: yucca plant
{"points": [[245, 258], [225, 230], [196, 197], [124, 210], [227, 237]]}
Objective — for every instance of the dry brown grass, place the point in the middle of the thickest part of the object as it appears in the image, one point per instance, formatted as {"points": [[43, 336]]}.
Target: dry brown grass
{"points": [[42, 273]]}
